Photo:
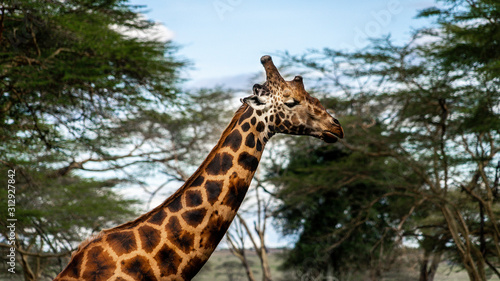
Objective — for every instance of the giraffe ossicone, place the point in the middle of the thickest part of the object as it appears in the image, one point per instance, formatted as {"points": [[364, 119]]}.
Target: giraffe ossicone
{"points": [[175, 239]]}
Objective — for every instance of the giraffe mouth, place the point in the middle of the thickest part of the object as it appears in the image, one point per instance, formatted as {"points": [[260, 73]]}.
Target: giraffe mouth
{"points": [[331, 137]]}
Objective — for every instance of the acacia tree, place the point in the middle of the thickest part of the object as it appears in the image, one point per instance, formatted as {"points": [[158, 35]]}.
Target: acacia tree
{"points": [[342, 208], [436, 102], [83, 107], [69, 77]]}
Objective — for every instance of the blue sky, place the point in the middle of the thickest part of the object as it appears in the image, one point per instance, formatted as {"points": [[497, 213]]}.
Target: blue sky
{"points": [[224, 39]]}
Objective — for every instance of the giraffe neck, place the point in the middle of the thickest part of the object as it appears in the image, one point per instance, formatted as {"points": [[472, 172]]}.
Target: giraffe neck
{"points": [[236, 155], [174, 240], [209, 200]]}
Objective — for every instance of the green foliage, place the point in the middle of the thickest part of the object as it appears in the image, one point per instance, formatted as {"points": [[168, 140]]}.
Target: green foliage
{"points": [[79, 92], [342, 207], [67, 73], [426, 114], [470, 30], [53, 213]]}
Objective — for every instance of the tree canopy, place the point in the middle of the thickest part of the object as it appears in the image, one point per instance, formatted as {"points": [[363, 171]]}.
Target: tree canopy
{"points": [[83, 102], [69, 74], [432, 107], [341, 201]]}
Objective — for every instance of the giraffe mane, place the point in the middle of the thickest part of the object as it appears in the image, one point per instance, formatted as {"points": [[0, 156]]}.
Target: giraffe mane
{"points": [[86, 242]]}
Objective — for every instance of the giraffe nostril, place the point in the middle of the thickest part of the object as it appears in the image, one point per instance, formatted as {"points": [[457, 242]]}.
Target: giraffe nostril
{"points": [[336, 121]]}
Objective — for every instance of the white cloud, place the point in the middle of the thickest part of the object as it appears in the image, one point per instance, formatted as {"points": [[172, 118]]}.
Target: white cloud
{"points": [[242, 82], [157, 32]]}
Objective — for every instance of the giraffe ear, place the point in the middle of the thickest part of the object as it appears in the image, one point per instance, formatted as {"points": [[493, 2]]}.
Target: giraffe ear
{"points": [[260, 90], [257, 102]]}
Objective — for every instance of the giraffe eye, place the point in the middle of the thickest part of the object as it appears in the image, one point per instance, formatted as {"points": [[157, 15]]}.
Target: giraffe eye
{"points": [[292, 103]]}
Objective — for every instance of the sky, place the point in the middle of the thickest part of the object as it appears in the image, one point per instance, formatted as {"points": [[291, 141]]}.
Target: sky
{"points": [[224, 39]]}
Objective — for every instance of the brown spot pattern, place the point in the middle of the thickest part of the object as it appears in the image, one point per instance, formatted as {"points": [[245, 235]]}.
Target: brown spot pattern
{"points": [[246, 114], [236, 193], [168, 261], [150, 238], [216, 228], [99, 265], [122, 242], [193, 266], [198, 181], [138, 268], [259, 145], [250, 140], [180, 238], [220, 164], [73, 269], [158, 217], [193, 198], [194, 217], [278, 120], [233, 140], [213, 189], [260, 127], [176, 204], [245, 127], [248, 161]]}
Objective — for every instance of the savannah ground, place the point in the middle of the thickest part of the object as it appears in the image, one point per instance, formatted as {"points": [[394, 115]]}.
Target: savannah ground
{"points": [[224, 266]]}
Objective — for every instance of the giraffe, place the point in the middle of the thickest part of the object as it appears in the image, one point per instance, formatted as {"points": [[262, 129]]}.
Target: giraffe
{"points": [[175, 239]]}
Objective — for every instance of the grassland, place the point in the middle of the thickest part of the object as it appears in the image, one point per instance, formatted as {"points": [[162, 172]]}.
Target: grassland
{"points": [[224, 266]]}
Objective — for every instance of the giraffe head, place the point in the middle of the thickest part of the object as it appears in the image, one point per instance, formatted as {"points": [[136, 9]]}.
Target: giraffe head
{"points": [[290, 109]]}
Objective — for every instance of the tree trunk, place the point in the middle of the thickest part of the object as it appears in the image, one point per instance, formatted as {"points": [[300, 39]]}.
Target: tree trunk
{"points": [[436, 259], [329, 273], [428, 271], [266, 270], [472, 262], [248, 270], [28, 273], [240, 254]]}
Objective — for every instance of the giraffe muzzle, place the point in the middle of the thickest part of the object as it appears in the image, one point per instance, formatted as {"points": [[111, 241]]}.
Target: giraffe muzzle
{"points": [[334, 133]]}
